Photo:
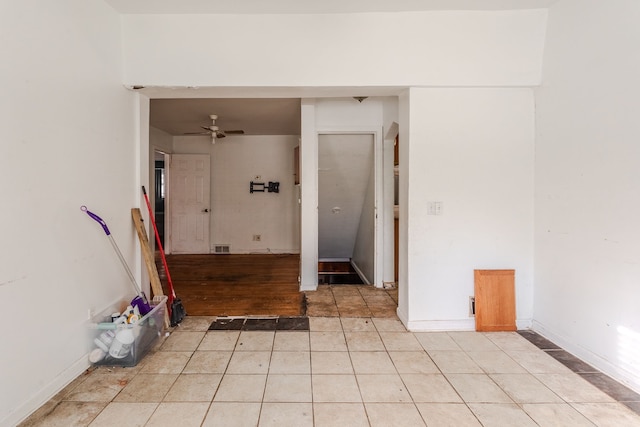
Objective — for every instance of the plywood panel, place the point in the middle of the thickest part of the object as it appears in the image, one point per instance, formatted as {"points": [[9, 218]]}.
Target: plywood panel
{"points": [[149, 259], [495, 300]]}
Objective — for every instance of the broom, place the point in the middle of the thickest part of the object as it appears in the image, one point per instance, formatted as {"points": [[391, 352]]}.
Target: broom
{"points": [[176, 309]]}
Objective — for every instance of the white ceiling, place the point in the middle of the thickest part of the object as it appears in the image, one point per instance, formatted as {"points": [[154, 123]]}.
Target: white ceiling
{"points": [[255, 116], [314, 6]]}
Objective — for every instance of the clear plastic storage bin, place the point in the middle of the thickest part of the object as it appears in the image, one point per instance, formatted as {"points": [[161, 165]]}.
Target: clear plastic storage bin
{"points": [[125, 344]]}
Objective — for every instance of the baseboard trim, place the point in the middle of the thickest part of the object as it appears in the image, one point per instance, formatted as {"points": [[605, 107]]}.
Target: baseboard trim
{"points": [[619, 374], [402, 315], [442, 325], [263, 251], [454, 325], [308, 287], [363, 277], [524, 323]]}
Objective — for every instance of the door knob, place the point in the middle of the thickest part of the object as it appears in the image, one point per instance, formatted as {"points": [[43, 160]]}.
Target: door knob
{"points": [[205, 210]]}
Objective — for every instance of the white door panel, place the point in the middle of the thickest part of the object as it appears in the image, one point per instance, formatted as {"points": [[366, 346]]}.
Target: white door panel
{"points": [[190, 198]]}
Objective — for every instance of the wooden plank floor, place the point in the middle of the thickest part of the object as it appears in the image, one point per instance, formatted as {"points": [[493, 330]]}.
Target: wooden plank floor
{"points": [[236, 285], [335, 267]]}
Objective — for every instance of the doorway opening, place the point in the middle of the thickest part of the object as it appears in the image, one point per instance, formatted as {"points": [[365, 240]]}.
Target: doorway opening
{"points": [[159, 193], [337, 273], [346, 208]]}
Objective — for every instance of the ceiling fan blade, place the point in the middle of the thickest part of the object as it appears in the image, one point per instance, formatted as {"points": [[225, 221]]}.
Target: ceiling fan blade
{"points": [[220, 134], [197, 133], [234, 132]]}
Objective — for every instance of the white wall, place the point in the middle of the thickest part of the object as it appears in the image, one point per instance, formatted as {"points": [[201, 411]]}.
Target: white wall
{"points": [[159, 140], [460, 48], [68, 140], [587, 185], [472, 150], [364, 249], [237, 215], [347, 114]]}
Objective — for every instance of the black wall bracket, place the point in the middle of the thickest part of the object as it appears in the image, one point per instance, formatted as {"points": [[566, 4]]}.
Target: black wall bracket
{"points": [[261, 187], [256, 187], [274, 187]]}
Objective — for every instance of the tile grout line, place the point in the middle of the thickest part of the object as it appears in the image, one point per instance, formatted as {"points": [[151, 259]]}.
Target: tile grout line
{"points": [[266, 380], [521, 404], [485, 373], [413, 400], [353, 328]]}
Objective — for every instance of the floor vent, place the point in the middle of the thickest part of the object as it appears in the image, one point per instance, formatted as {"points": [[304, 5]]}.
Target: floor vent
{"points": [[221, 249]]}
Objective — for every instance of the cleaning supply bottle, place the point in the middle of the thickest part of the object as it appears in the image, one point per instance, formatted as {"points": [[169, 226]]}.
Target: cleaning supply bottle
{"points": [[122, 344], [134, 315], [104, 340]]}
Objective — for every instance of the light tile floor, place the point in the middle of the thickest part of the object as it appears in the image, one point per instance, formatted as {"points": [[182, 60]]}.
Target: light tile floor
{"points": [[343, 372]]}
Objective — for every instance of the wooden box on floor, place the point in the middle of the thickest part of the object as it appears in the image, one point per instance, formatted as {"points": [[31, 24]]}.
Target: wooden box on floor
{"points": [[495, 300]]}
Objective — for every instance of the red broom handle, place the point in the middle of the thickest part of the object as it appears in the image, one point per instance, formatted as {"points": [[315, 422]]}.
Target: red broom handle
{"points": [[172, 296]]}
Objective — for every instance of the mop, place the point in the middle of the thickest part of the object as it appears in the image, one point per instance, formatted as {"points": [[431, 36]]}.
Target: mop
{"points": [[140, 300]]}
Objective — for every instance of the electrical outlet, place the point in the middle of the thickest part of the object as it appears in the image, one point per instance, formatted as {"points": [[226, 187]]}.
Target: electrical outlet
{"points": [[90, 313], [257, 237], [472, 306]]}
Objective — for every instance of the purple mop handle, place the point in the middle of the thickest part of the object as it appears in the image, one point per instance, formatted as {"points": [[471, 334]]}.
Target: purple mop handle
{"points": [[97, 219], [113, 243]]}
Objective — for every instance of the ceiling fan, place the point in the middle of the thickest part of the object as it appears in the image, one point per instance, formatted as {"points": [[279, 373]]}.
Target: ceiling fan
{"points": [[215, 131]]}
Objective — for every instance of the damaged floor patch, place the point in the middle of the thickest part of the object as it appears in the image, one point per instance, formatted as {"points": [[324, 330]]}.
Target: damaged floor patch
{"points": [[261, 324]]}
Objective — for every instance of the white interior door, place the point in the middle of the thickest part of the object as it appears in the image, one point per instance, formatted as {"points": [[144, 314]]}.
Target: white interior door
{"points": [[190, 183]]}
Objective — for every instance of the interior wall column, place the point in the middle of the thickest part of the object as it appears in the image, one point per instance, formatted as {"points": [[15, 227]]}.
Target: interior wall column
{"points": [[142, 159], [308, 197], [404, 103]]}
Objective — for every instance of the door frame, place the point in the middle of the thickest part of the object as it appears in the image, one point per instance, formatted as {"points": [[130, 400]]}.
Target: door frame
{"points": [[152, 196]]}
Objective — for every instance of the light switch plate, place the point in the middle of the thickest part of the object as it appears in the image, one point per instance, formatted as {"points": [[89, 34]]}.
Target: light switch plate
{"points": [[434, 208]]}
